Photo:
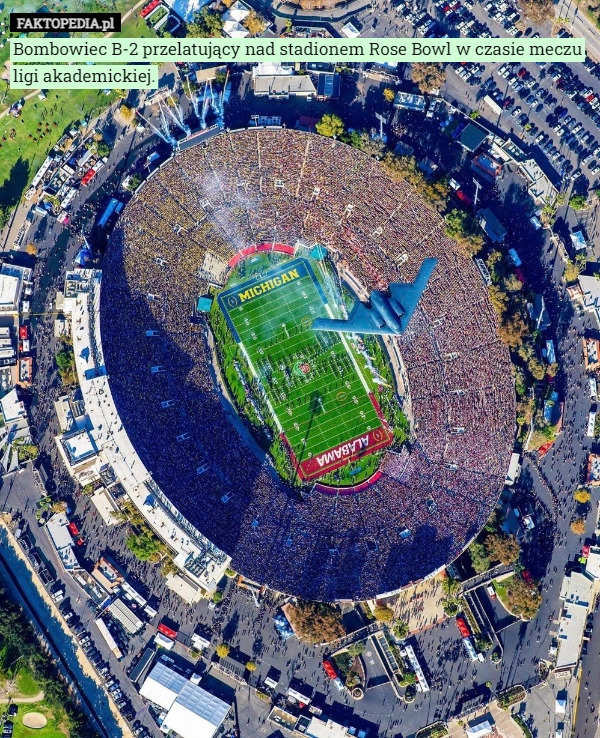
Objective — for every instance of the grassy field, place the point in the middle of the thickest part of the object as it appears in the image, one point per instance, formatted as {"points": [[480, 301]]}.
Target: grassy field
{"points": [[311, 379], [27, 140], [51, 730], [501, 587], [26, 684]]}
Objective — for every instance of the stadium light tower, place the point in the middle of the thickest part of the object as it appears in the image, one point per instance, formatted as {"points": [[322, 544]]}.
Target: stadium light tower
{"points": [[477, 184], [382, 120]]}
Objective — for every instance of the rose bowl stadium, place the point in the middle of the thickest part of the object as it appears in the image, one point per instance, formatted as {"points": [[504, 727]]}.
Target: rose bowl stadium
{"points": [[328, 464]]}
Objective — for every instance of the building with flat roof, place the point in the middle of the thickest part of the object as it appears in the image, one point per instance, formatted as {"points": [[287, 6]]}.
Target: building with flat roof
{"points": [[328, 86], [577, 595], [184, 587], [8, 353], [62, 540], [593, 469], [472, 137], [80, 455], [592, 566], [282, 87], [409, 101], [590, 287], [491, 226], [192, 712], [540, 188], [591, 353], [125, 615], [13, 281]]}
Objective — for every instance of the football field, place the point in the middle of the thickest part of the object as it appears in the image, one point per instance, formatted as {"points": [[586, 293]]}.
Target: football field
{"points": [[315, 390]]}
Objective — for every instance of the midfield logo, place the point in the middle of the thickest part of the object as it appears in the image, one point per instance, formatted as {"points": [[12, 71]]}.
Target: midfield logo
{"points": [[28, 22]]}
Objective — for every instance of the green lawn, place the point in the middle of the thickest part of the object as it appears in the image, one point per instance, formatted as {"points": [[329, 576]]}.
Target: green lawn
{"points": [[37, 130], [51, 730], [136, 27], [26, 683], [317, 392], [501, 587]]}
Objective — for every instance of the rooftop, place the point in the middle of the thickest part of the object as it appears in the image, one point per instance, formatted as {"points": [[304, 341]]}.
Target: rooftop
{"points": [[78, 446], [196, 713], [284, 85], [472, 137], [9, 290]]}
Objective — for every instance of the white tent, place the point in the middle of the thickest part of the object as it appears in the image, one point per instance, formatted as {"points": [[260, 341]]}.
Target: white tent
{"points": [[350, 30], [196, 713], [162, 686], [234, 30], [237, 12]]}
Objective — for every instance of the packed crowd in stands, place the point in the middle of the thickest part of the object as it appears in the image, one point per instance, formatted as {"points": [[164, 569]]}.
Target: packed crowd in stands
{"points": [[284, 186]]}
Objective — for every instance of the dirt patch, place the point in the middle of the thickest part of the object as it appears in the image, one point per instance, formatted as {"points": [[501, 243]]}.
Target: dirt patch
{"points": [[34, 720]]}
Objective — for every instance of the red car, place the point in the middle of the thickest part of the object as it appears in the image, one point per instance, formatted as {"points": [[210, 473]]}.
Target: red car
{"points": [[522, 72], [73, 529]]}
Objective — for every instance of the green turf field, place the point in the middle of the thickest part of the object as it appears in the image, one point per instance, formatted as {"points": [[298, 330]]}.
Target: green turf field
{"points": [[313, 385]]}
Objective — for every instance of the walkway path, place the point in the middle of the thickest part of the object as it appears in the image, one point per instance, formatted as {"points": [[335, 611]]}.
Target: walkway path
{"points": [[22, 700]]}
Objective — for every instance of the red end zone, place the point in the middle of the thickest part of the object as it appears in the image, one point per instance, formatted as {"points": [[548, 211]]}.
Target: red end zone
{"points": [[334, 458]]}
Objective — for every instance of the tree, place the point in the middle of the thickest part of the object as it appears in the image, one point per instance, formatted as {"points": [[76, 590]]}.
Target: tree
{"points": [[355, 649], [523, 599], [134, 182], [400, 629], [330, 125], [578, 526], [582, 496], [31, 249], [578, 202], [389, 95], [474, 114], [315, 622], [479, 558], [404, 168], [428, 76], [25, 451], [217, 596], [407, 678], [465, 230], [4, 215], [120, 94], [102, 148], [451, 607], [483, 643], [503, 548], [222, 650], [384, 614], [254, 23], [206, 24], [572, 271], [251, 665], [65, 362], [370, 145], [450, 586], [145, 546], [229, 572], [127, 113], [537, 11]]}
